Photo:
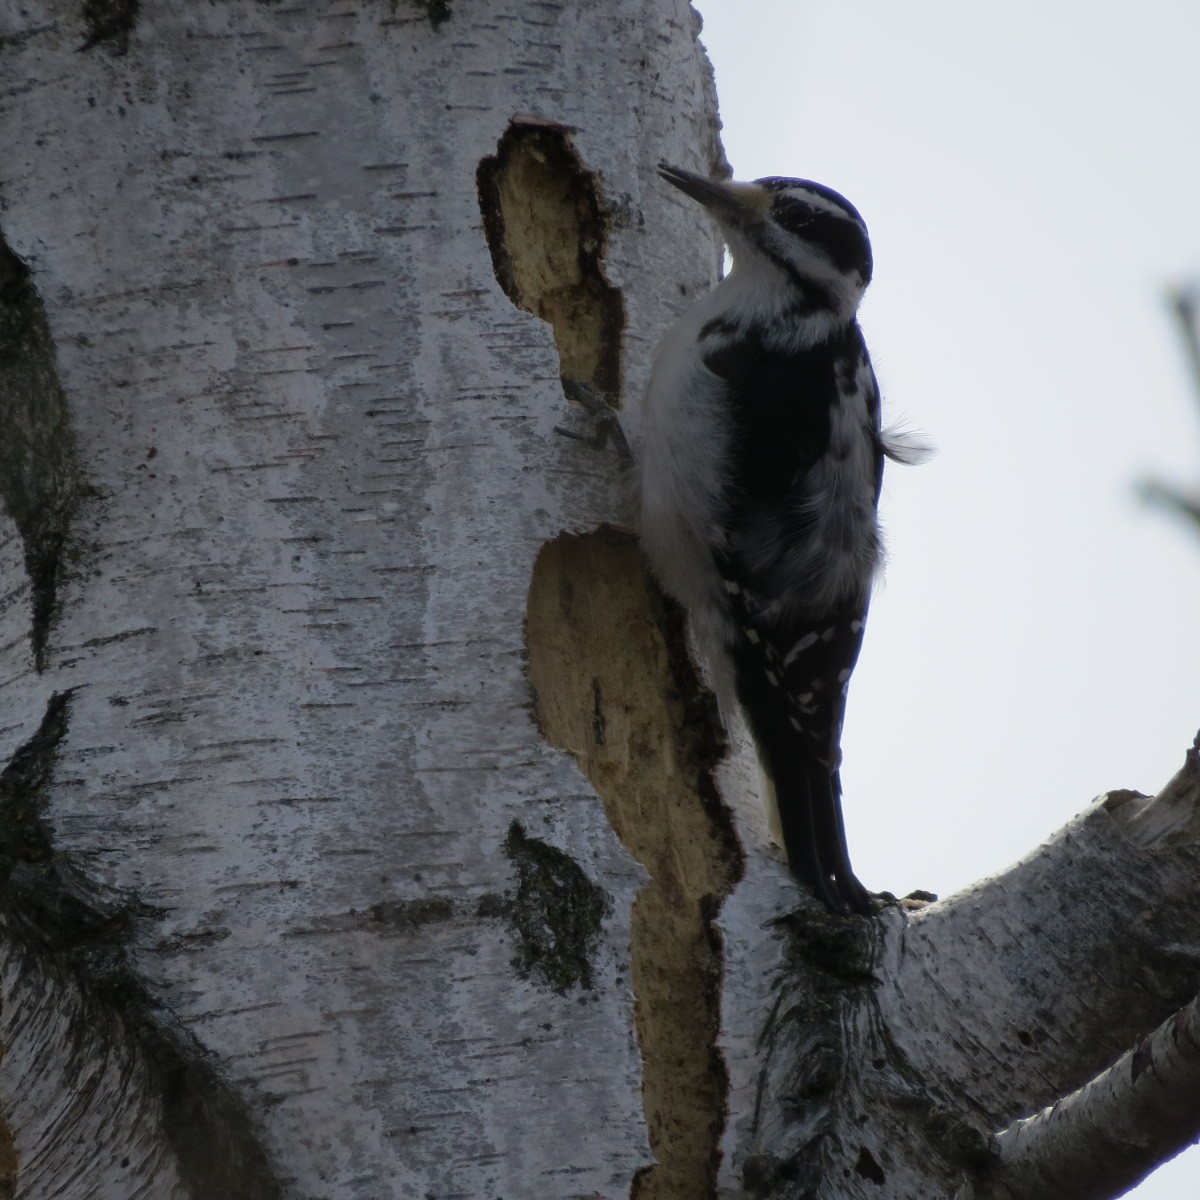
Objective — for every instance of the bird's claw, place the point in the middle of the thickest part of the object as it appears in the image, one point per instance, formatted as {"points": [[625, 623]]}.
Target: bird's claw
{"points": [[602, 424]]}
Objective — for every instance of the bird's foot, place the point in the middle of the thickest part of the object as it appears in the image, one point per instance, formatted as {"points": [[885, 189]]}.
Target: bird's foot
{"points": [[850, 898], [913, 902], [602, 424], [861, 902]]}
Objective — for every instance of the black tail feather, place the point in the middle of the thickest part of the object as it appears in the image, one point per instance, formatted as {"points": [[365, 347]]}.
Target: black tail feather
{"points": [[798, 817], [791, 679], [810, 812]]}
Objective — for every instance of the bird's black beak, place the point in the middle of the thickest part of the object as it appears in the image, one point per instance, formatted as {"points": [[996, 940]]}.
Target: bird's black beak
{"points": [[725, 199]]}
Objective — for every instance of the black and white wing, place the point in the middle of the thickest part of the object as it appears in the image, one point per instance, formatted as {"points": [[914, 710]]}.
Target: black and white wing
{"points": [[798, 550]]}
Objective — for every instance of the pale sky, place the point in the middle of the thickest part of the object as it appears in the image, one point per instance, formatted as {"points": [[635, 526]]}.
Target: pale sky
{"points": [[1030, 175]]}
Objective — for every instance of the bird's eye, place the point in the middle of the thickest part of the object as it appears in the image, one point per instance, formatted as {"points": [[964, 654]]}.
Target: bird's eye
{"points": [[793, 214]]}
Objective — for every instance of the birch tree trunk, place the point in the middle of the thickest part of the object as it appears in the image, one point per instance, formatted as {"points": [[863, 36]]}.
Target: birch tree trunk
{"points": [[365, 827]]}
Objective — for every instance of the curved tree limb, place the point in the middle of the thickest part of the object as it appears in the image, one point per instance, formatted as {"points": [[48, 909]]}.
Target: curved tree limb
{"points": [[897, 1049], [1111, 1133]]}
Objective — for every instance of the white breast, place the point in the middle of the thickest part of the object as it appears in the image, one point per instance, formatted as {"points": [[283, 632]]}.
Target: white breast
{"points": [[682, 471]]}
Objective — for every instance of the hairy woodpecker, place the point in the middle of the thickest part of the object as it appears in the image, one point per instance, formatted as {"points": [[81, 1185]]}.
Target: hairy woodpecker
{"points": [[759, 482]]}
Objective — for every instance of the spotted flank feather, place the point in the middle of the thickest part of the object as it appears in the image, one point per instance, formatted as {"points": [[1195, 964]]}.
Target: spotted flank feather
{"points": [[792, 678]]}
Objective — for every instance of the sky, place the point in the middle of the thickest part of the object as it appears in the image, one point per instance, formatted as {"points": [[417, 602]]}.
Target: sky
{"points": [[1030, 177]]}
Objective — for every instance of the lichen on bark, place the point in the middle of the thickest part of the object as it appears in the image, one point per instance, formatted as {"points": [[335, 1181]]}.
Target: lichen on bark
{"points": [[557, 913]]}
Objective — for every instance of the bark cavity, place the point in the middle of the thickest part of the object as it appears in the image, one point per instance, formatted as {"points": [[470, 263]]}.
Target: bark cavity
{"points": [[41, 484], [616, 687], [546, 225], [83, 1027]]}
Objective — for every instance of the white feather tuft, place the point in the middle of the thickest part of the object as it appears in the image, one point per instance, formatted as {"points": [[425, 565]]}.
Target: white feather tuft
{"points": [[901, 445]]}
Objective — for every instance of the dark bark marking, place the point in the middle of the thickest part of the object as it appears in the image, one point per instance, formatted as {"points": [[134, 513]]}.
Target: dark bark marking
{"points": [[41, 484], [109, 21], [83, 928], [437, 11]]}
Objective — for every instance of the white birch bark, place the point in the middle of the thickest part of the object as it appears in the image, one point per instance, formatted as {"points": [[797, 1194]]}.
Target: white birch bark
{"points": [[364, 829], [318, 444]]}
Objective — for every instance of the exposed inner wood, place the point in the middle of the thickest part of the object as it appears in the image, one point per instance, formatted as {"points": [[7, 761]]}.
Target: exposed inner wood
{"points": [[546, 227], [615, 687]]}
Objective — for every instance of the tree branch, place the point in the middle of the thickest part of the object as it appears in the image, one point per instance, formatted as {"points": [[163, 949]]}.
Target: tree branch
{"points": [[1171, 818], [1165, 495], [1184, 303], [1111, 1133], [900, 1046]]}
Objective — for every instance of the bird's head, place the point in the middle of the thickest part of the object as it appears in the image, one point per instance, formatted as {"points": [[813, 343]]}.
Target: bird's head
{"points": [[812, 235]]}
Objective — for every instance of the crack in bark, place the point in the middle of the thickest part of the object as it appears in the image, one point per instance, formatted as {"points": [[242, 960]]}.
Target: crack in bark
{"points": [[608, 653]]}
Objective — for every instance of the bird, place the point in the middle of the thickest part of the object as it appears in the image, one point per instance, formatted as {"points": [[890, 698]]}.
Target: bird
{"points": [[759, 477]]}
